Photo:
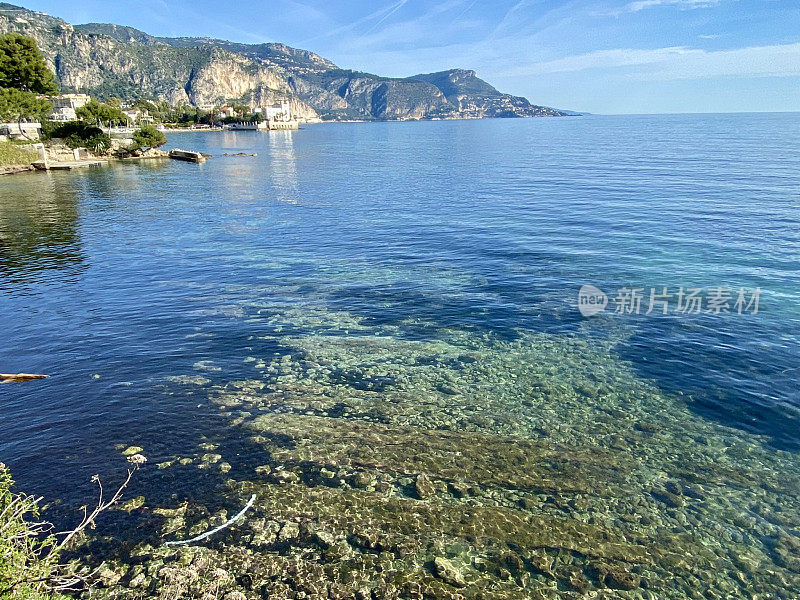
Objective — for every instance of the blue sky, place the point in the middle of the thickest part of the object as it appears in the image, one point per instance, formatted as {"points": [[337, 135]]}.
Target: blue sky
{"points": [[629, 56]]}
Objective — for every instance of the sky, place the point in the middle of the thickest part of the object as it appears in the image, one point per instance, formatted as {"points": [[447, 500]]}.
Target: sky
{"points": [[607, 57]]}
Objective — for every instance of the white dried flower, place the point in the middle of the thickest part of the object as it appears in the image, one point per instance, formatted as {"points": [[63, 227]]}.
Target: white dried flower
{"points": [[137, 459]]}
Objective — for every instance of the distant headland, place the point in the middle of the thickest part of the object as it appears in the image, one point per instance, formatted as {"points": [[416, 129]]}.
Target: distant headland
{"points": [[113, 61]]}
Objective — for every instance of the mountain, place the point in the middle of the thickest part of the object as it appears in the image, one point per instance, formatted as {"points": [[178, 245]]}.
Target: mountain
{"points": [[113, 60], [473, 97]]}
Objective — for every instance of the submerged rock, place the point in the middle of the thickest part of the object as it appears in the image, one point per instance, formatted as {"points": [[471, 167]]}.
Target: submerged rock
{"points": [[132, 504], [447, 572], [210, 458], [669, 498], [534, 484], [617, 577], [423, 487]]}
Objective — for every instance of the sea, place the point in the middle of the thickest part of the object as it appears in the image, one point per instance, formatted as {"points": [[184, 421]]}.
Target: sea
{"points": [[581, 334]]}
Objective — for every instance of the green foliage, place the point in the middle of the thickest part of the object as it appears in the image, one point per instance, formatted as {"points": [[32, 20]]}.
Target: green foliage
{"points": [[163, 112], [30, 567], [18, 104], [189, 115], [99, 143], [245, 117], [14, 154], [111, 87], [102, 113], [153, 108], [147, 137], [22, 66], [78, 134], [26, 560]]}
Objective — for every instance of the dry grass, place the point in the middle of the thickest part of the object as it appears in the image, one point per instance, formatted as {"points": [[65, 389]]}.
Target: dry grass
{"points": [[14, 154]]}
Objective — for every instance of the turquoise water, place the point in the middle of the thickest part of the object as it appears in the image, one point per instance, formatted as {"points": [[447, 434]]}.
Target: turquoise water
{"points": [[424, 277]]}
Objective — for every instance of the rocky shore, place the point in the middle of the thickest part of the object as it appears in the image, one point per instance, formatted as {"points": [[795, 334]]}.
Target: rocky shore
{"points": [[13, 169], [62, 157], [462, 467]]}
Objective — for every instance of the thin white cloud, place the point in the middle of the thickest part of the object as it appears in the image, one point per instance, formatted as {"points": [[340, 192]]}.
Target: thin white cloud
{"points": [[645, 4], [678, 62], [423, 30], [302, 10], [510, 16], [393, 10], [378, 14], [467, 9]]}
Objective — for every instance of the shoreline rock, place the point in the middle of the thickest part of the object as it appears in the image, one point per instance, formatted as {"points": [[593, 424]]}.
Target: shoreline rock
{"points": [[15, 169]]}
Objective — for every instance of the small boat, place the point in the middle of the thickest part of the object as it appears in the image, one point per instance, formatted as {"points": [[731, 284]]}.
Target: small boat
{"points": [[188, 155]]}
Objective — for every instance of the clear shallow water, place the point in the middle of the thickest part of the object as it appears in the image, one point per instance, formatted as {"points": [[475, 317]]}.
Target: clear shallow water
{"points": [[358, 272]]}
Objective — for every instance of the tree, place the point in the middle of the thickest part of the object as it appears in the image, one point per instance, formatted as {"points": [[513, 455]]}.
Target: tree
{"points": [[95, 112], [16, 105], [78, 134], [22, 66], [147, 137]]}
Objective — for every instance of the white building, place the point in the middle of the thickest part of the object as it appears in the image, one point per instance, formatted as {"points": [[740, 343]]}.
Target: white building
{"points": [[137, 117], [65, 105], [20, 131], [280, 111]]}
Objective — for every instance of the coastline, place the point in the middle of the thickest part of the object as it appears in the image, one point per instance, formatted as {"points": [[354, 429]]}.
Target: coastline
{"points": [[16, 169], [20, 169]]}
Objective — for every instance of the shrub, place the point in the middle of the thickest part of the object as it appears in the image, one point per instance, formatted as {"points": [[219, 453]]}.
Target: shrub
{"points": [[147, 137], [30, 567], [99, 143], [77, 134], [25, 565]]}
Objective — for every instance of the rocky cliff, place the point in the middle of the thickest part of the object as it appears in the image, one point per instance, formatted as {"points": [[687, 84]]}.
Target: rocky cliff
{"points": [[473, 97], [112, 60]]}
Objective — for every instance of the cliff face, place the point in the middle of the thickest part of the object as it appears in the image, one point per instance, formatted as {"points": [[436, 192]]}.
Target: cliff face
{"points": [[102, 65], [111, 60]]}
